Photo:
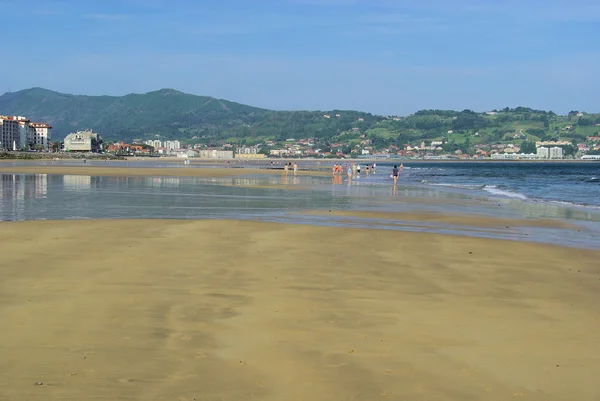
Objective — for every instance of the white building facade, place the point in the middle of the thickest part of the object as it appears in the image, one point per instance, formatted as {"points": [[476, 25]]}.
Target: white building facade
{"points": [[42, 135], [556, 153], [215, 154], [156, 144], [172, 145], [83, 141], [18, 133], [9, 133], [542, 152]]}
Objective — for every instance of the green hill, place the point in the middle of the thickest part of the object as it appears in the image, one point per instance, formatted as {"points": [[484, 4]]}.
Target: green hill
{"points": [[170, 114]]}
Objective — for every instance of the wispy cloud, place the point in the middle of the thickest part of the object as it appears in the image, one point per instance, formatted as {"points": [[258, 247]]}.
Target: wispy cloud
{"points": [[107, 17]]}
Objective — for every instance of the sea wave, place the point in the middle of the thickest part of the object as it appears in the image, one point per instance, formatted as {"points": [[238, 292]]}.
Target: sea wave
{"points": [[458, 186], [494, 190]]}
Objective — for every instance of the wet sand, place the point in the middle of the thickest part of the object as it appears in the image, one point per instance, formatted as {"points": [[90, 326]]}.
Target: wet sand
{"points": [[143, 171], [228, 310], [460, 219]]}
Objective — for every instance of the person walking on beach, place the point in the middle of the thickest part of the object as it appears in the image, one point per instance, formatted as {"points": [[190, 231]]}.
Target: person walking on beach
{"points": [[334, 170], [357, 168], [295, 169], [285, 169], [373, 167], [395, 173], [349, 173], [367, 170]]}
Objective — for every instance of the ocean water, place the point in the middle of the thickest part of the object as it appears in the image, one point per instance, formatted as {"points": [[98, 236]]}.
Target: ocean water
{"points": [[422, 188], [568, 183]]}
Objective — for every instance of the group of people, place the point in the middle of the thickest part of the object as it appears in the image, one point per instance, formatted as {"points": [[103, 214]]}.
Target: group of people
{"points": [[354, 169], [291, 165], [351, 169]]}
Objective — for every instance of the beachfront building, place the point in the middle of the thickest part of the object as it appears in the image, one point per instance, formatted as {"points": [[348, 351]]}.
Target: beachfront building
{"points": [[19, 133], [40, 135], [556, 153], [185, 153], [542, 152], [248, 153], [83, 141], [155, 143], [246, 150], [26, 133], [9, 133], [514, 156], [251, 156], [172, 145], [215, 154]]}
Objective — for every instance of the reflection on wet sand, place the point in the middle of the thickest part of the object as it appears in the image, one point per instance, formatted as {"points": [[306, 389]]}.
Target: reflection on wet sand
{"points": [[270, 198]]}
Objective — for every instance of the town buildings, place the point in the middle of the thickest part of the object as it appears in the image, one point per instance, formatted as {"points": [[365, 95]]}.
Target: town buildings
{"points": [[19, 133], [83, 141], [556, 153], [172, 145], [248, 152], [156, 144], [542, 152], [215, 154]]}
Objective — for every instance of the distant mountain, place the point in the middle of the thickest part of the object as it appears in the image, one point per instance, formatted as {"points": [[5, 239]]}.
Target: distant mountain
{"points": [[170, 114], [166, 112]]}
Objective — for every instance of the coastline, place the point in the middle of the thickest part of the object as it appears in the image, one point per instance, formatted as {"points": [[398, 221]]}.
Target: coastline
{"points": [[324, 161], [144, 171], [275, 311]]}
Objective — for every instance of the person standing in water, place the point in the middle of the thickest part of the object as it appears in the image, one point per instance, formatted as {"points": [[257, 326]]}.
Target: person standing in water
{"points": [[349, 173], [395, 173], [295, 169]]}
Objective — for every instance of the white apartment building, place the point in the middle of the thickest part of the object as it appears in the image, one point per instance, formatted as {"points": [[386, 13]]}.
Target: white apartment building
{"points": [[41, 135], [542, 152], [18, 133], [172, 145], [26, 133], [246, 151], [215, 154], [556, 153], [9, 133], [154, 143]]}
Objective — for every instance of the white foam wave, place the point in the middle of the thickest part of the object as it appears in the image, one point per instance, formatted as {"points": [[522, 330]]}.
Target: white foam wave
{"points": [[503, 192]]}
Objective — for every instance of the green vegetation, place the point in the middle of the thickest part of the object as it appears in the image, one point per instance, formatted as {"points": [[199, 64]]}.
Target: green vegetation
{"points": [[169, 114]]}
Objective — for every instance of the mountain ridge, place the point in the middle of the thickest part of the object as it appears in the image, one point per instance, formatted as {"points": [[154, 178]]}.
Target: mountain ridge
{"points": [[168, 113]]}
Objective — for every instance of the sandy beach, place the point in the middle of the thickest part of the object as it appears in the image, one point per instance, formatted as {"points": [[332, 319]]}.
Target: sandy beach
{"points": [[228, 310]]}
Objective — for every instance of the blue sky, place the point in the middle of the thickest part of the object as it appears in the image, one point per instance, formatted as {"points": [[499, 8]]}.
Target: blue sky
{"points": [[381, 56]]}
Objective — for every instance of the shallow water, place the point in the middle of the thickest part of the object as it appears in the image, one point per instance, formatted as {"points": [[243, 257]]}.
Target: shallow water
{"points": [[278, 199]]}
